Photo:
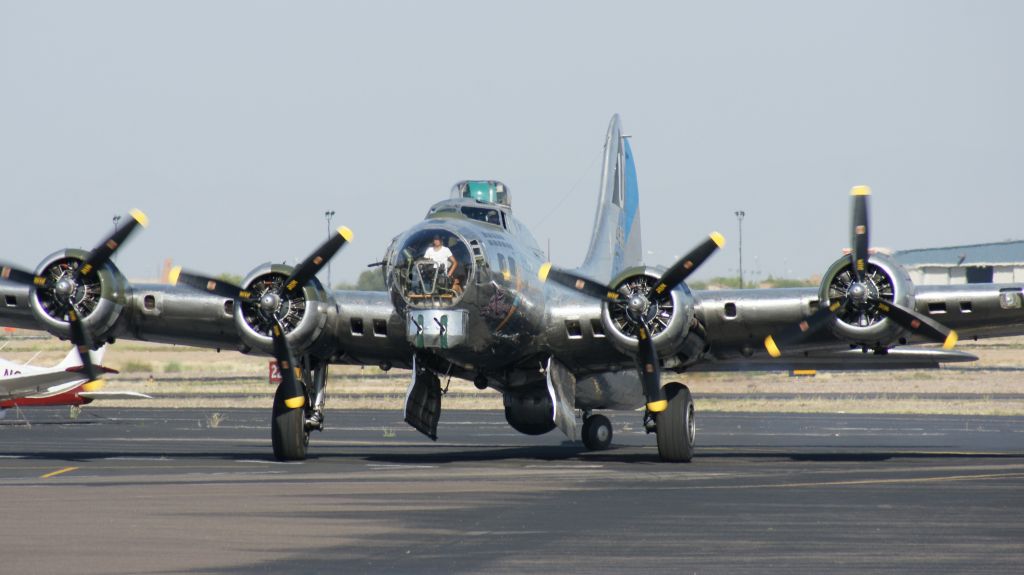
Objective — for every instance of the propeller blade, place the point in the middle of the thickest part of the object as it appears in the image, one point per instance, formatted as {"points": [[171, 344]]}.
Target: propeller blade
{"points": [[576, 282], [650, 372], [859, 238], [290, 371], [317, 260], [83, 343], [688, 264], [102, 253], [797, 333], [208, 284], [20, 276], [917, 323]]}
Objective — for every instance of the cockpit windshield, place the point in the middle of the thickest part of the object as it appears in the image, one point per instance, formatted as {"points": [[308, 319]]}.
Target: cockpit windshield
{"points": [[431, 269]]}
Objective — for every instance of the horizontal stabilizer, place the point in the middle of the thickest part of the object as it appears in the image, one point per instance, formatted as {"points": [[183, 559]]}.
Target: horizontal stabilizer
{"points": [[847, 360]]}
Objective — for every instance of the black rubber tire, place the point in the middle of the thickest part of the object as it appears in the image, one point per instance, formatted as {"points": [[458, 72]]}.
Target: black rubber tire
{"points": [[677, 427], [597, 432], [288, 430]]}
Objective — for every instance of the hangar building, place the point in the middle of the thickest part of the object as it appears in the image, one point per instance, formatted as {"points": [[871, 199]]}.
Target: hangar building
{"points": [[1001, 262]]}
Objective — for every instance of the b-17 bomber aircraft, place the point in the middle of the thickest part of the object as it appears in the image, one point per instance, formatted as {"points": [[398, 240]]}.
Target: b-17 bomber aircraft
{"points": [[471, 296]]}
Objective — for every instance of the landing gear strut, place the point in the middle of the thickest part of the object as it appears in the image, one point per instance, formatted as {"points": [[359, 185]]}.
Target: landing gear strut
{"points": [[597, 432], [676, 426]]}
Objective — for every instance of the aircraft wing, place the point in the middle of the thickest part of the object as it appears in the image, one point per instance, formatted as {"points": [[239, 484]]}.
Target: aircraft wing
{"points": [[351, 326], [25, 385], [113, 395], [738, 321]]}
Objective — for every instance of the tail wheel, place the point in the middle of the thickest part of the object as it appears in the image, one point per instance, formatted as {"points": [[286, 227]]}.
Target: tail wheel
{"points": [[288, 429], [597, 432], [677, 427]]}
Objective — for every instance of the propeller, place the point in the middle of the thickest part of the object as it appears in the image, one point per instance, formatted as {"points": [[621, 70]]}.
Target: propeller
{"points": [[270, 304], [67, 286], [861, 296], [638, 305]]}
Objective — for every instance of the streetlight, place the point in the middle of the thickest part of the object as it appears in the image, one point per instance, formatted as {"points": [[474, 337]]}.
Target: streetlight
{"points": [[328, 215], [739, 218]]}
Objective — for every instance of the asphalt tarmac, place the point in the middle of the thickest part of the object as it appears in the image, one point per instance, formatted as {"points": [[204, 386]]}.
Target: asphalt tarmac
{"points": [[172, 491]]}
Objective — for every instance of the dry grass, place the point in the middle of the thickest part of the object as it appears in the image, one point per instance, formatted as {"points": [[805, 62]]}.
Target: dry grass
{"points": [[178, 376]]}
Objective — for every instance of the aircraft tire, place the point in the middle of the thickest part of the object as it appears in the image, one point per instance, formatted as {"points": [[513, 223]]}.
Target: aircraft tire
{"points": [[597, 432], [288, 430], [677, 427]]}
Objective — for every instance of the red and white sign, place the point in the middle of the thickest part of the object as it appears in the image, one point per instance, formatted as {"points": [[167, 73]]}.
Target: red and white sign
{"points": [[274, 374]]}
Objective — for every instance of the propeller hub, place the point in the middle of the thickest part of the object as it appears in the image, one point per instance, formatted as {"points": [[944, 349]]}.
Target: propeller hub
{"points": [[64, 287], [858, 293], [638, 304], [270, 302]]}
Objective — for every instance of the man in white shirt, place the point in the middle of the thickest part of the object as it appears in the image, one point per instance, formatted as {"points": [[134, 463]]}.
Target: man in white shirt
{"points": [[442, 256]]}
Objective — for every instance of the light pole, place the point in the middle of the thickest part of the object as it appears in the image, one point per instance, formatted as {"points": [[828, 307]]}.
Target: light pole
{"points": [[328, 215], [739, 218]]}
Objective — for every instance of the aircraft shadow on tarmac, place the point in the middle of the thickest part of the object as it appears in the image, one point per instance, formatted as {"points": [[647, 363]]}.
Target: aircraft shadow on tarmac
{"points": [[535, 453]]}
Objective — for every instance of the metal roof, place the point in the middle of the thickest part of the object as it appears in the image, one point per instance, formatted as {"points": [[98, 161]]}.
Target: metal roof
{"points": [[999, 253]]}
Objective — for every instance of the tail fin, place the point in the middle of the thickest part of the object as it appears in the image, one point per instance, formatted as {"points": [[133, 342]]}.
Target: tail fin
{"points": [[615, 244], [72, 360]]}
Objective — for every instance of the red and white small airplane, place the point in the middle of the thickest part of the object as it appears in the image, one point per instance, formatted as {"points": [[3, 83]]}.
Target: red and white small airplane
{"points": [[63, 384]]}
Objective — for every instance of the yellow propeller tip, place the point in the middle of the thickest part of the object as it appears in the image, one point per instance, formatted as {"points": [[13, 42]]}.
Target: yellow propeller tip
{"points": [[140, 217], [951, 340], [346, 233], [94, 385], [718, 238], [543, 272], [173, 276], [769, 344], [295, 402], [657, 406], [860, 191]]}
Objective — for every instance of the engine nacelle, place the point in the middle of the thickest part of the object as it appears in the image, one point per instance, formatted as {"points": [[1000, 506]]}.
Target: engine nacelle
{"points": [[99, 298], [303, 315], [865, 325], [669, 318]]}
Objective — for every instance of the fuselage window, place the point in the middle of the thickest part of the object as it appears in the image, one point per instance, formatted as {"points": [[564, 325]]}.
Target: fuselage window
{"points": [[513, 272], [503, 265]]}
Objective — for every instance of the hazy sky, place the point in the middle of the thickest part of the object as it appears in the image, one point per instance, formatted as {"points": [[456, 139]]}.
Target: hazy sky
{"points": [[235, 125]]}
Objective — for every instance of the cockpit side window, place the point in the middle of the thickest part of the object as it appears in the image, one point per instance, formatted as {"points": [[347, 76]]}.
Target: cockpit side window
{"points": [[486, 215]]}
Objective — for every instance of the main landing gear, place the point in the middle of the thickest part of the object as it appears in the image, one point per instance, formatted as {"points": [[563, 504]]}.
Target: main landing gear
{"points": [[290, 424], [676, 427]]}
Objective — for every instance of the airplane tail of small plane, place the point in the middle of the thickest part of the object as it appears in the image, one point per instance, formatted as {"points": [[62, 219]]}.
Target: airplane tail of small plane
{"points": [[615, 243], [72, 360]]}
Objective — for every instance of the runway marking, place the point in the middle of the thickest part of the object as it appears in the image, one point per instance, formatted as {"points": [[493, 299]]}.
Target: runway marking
{"points": [[949, 478], [399, 466], [58, 472]]}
